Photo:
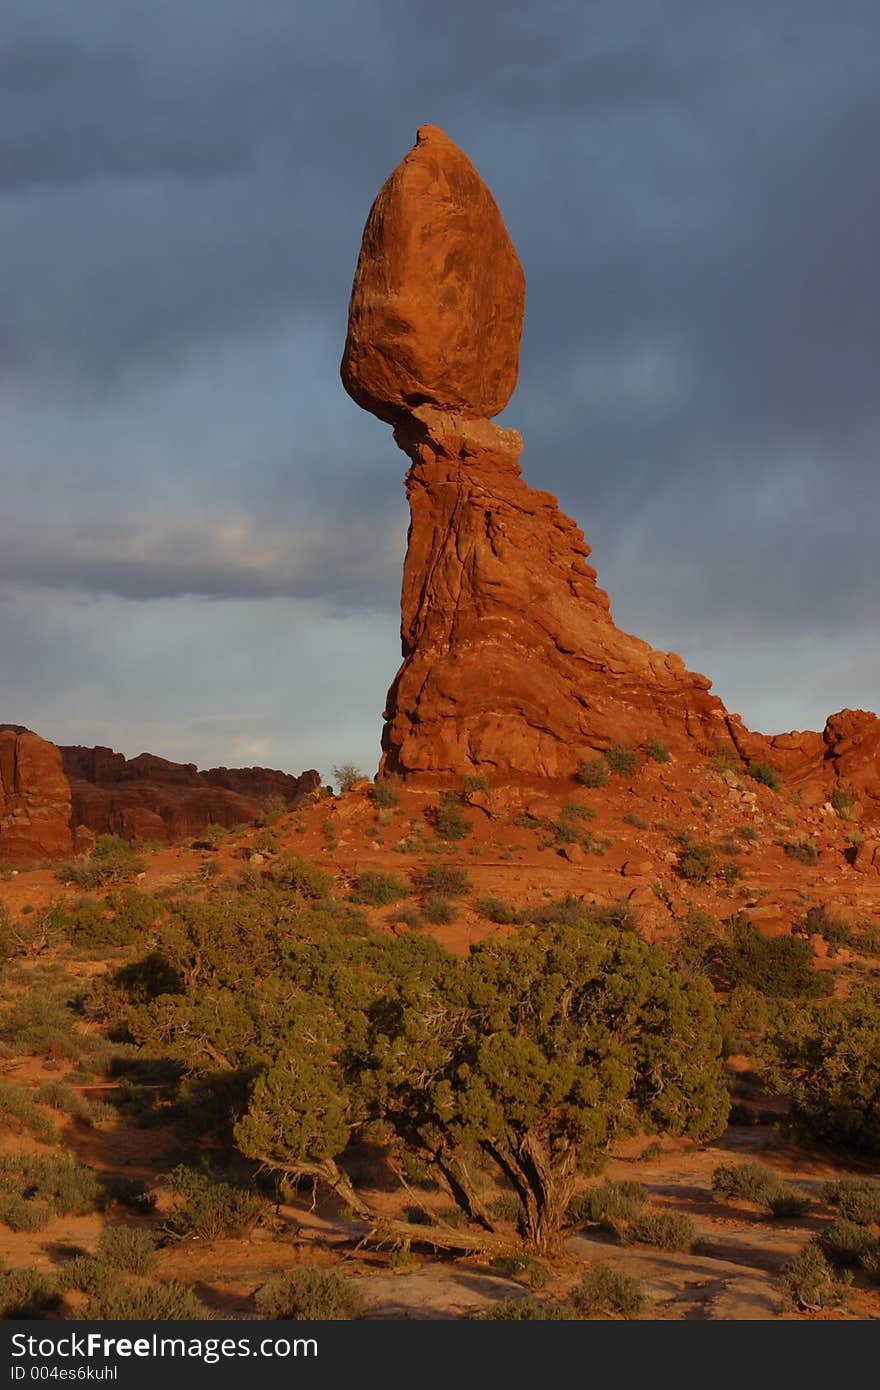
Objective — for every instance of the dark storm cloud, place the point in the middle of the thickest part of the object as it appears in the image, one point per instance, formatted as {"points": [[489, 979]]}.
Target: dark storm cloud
{"points": [[691, 189]]}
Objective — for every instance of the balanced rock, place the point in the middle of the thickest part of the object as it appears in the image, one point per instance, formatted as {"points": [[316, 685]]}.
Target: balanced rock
{"points": [[437, 303]]}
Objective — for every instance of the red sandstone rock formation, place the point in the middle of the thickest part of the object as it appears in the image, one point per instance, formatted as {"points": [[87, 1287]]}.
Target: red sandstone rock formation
{"points": [[512, 664], [34, 798], [150, 798]]}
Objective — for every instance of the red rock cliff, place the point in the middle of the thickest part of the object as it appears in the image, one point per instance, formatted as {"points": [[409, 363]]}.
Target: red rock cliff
{"points": [[35, 805]]}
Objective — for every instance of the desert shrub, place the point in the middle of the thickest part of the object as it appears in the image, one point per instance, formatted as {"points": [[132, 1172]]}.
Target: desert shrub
{"points": [[265, 842], [305, 1293], [593, 773], [827, 1061], [88, 924], [857, 1199], [22, 1214], [696, 862], [747, 832], [26, 1293], [295, 872], [449, 879], [667, 1230], [520, 1267], [842, 798], [450, 822], [632, 819], [845, 1244], [820, 922], [658, 751], [611, 1204], [801, 849], [378, 889], [497, 910], [112, 861], [42, 1023], [746, 1182], [385, 793], [209, 1208], [60, 1096], [765, 774], [789, 1201], [621, 760], [273, 808], [604, 1292], [69, 1187], [133, 911], [128, 1249], [18, 1112], [526, 1309], [506, 1207], [781, 966], [808, 1280], [697, 949], [110, 1297], [346, 775], [438, 910]]}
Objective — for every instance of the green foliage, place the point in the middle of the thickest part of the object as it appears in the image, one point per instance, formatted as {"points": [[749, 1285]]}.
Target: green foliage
{"points": [[18, 1112], [666, 1230], [377, 889], [593, 773], [274, 807], [611, 1204], [127, 1248], [346, 775], [474, 782], [497, 910], [26, 1293], [293, 871], [801, 849], [809, 1282], [857, 1199], [658, 751], [42, 1021], [696, 862], [23, 1214], [265, 842], [780, 966], [826, 1059], [753, 1183], [385, 793], [621, 760], [69, 1187], [606, 1292], [306, 1293], [209, 1208], [438, 909], [526, 1309], [112, 861], [765, 774], [696, 951], [449, 879], [842, 798], [449, 820], [111, 1297], [845, 1244]]}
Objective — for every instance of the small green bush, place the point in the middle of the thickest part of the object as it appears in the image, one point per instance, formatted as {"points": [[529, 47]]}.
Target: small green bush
{"points": [[857, 1199], [449, 879], [127, 1248], [26, 1293], [497, 910], [665, 1230], [209, 1208], [593, 773], [658, 751], [611, 1204], [274, 807], [781, 966], [299, 874], [696, 862], [842, 798], [449, 820], [803, 850], [621, 760], [809, 1282], [385, 793], [522, 1268], [346, 775], [438, 910], [68, 1187], [746, 1182], [112, 861], [526, 1309], [22, 1214], [765, 774], [305, 1294], [604, 1291], [845, 1244], [18, 1112], [378, 890]]}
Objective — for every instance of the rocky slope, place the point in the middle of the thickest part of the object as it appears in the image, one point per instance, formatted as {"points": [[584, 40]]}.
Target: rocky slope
{"points": [[513, 668]]}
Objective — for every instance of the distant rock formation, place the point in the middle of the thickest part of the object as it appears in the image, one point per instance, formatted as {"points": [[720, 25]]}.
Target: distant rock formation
{"points": [[512, 665], [149, 798], [35, 806]]}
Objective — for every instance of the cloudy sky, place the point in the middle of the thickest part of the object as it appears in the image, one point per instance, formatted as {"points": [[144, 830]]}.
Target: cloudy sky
{"points": [[201, 536]]}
